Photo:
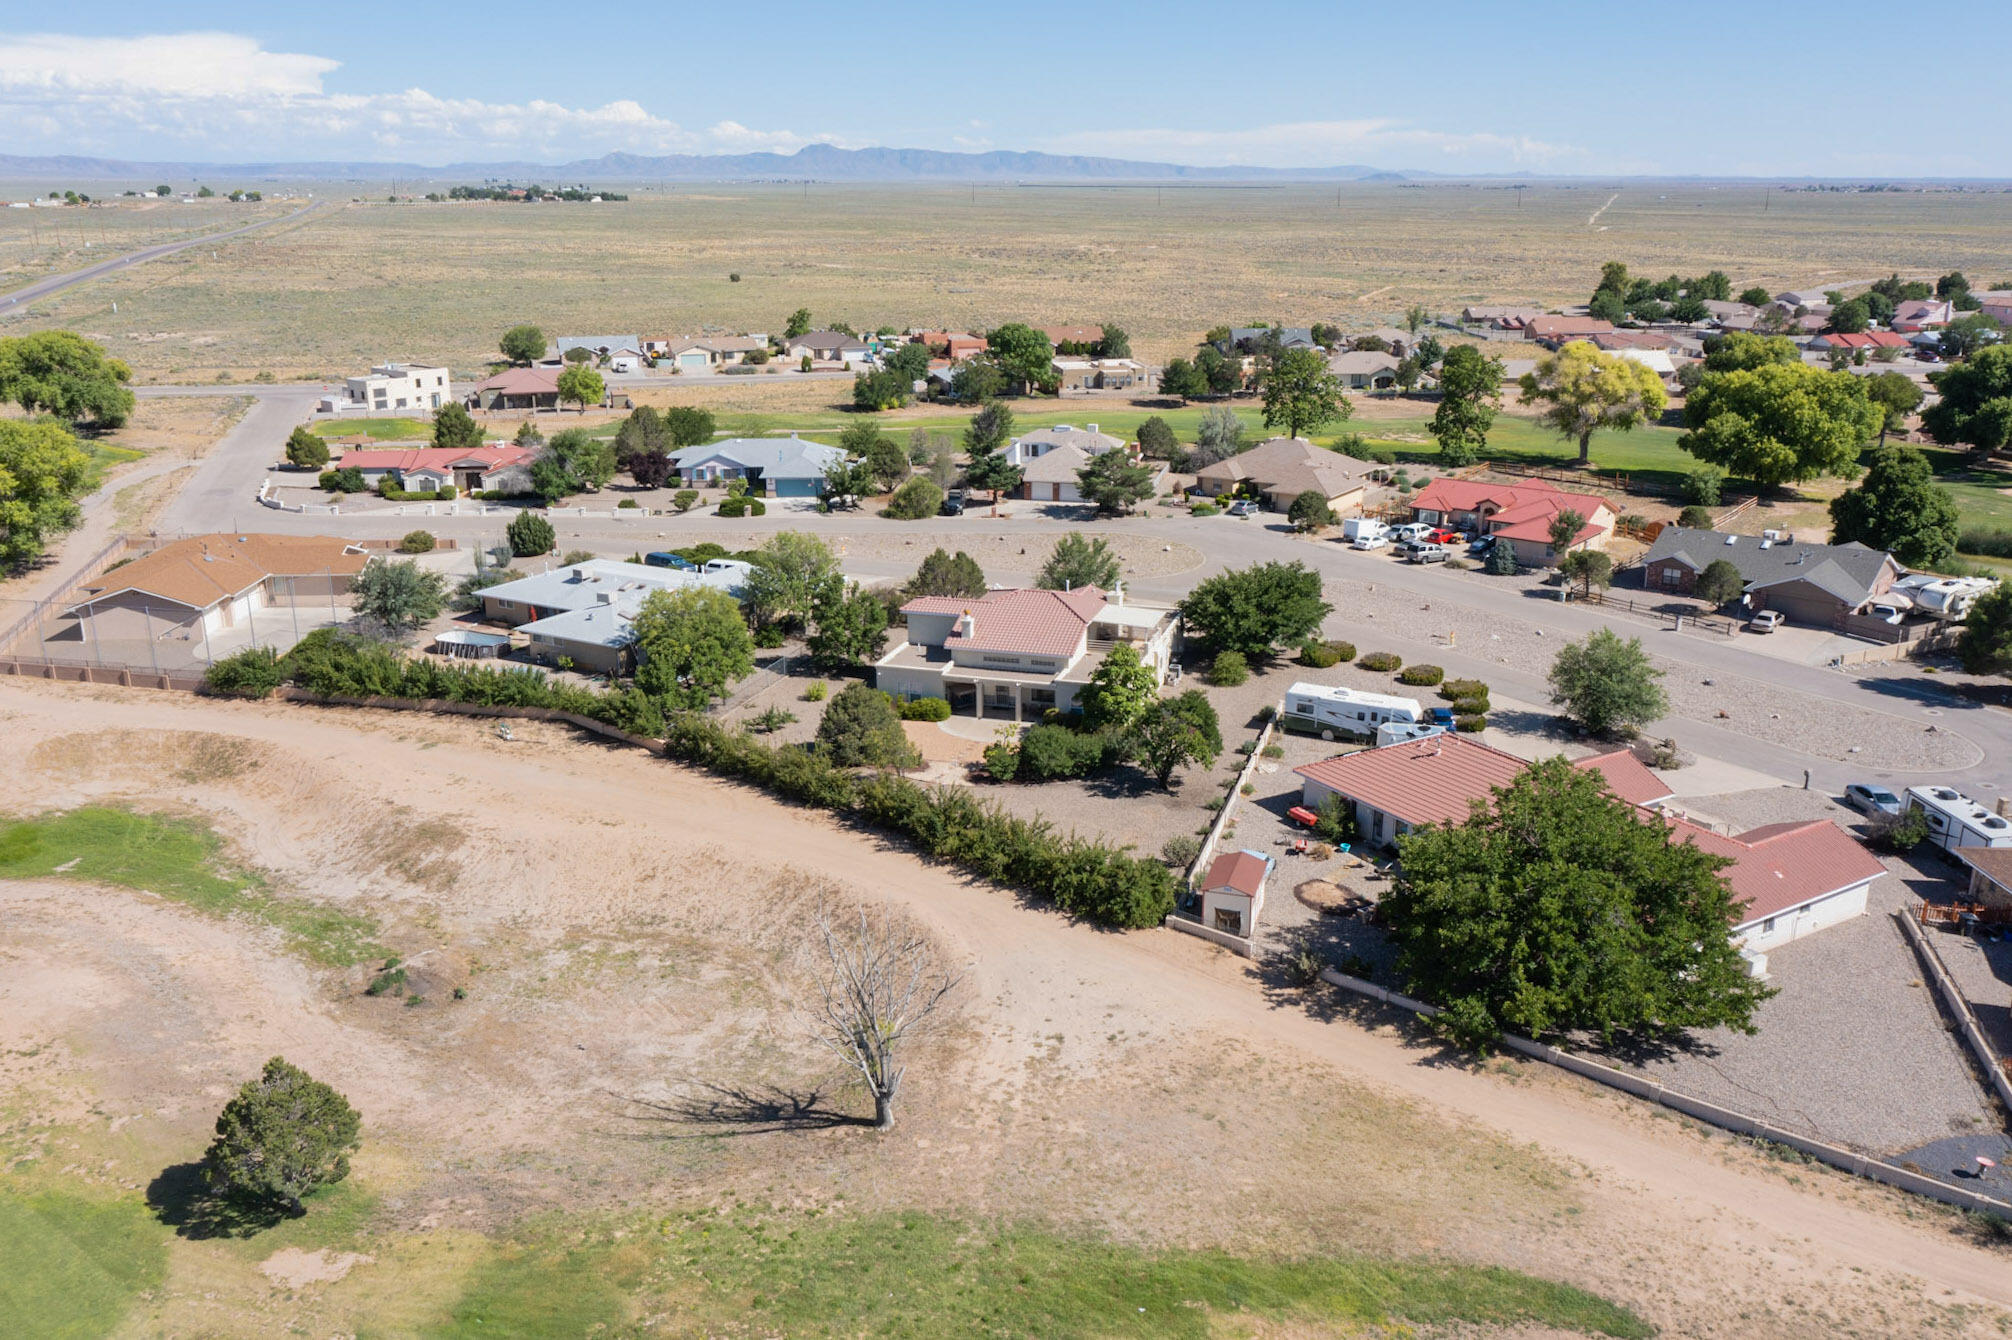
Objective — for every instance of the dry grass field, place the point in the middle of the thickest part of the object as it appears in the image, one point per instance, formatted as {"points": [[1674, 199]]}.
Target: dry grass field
{"points": [[423, 281]]}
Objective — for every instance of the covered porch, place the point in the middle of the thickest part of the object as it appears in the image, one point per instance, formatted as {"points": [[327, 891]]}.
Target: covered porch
{"points": [[1001, 695]]}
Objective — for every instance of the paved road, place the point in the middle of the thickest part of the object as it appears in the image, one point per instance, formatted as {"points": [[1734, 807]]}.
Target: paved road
{"points": [[43, 288], [216, 496]]}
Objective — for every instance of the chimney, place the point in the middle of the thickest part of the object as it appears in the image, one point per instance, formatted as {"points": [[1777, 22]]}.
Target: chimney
{"points": [[1118, 593], [1093, 428], [2005, 807], [966, 625]]}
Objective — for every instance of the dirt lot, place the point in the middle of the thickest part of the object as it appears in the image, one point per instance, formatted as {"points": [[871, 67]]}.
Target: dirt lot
{"points": [[627, 933]]}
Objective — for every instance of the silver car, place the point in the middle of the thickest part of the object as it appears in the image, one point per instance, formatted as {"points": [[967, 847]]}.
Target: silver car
{"points": [[1867, 798]]}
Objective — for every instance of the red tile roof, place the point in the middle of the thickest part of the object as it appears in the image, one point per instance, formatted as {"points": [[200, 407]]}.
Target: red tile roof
{"points": [[1786, 865], [1029, 622], [1626, 777], [1551, 327], [1871, 339], [434, 458], [1523, 511], [1427, 781], [1238, 871]]}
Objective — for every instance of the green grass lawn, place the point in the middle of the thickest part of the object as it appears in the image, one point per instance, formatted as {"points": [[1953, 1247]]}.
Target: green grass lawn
{"points": [[382, 430], [923, 1276], [102, 457], [74, 1266], [179, 860]]}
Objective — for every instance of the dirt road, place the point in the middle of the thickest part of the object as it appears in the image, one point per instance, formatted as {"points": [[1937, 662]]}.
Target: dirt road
{"points": [[1704, 1236]]}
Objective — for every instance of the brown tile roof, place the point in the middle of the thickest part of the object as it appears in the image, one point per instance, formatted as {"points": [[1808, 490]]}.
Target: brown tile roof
{"points": [[1026, 621], [204, 569], [1995, 862], [435, 458], [1552, 327], [1290, 465], [1238, 871], [1426, 781], [523, 381], [1626, 777]]}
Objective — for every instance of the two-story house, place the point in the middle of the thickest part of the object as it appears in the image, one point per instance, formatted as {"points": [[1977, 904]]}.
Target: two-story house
{"points": [[1013, 654], [391, 387]]}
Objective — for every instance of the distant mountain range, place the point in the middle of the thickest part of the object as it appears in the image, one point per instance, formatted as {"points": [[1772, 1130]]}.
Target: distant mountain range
{"points": [[816, 162]]}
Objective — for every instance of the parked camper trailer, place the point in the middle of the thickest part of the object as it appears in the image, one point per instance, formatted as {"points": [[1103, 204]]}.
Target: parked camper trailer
{"points": [[1955, 820], [1333, 711], [1946, 598]]}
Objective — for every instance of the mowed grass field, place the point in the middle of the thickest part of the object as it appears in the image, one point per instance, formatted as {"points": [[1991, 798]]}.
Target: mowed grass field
{"points": [[441, 281]]}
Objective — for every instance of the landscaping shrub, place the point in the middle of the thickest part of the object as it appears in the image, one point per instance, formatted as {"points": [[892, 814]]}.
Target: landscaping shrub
{"points": [[1900, 833], [1695, 518], [530, 535], [1343, 651], [1180, 851], [1229, 669], [1319, 655], [1202, 509], [349, 480], [925, 709], [814, 692], [416, 542], [741, 505], [769, 636], [1453, 689], [1470, 707], [1705, 485], [1472, 725], [1502, 561], [1002, 762], [915, 500], [1336, 820], [626, 503], [1051, 752], [1422, 676], [1380, 661], [252, 673]]}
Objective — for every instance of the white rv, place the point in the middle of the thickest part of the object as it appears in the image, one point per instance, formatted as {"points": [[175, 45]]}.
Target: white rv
{"points": [[1955, 820], [1331, 710], [1945, 598]]}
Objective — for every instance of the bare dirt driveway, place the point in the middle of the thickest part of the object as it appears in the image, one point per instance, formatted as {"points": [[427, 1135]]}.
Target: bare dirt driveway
{"points": [[1141, 1085]]}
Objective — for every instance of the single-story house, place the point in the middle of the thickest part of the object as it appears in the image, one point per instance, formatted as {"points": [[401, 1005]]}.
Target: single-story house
{"points": [[1282, 468], [1099, 374], [690, 356], [955, 345], [1997, 306], [1918, 314], [419, 468], [829, 346], [1500, 318], [1613, 341], [1657, 361], [1723, 312], [600, 346], [586, 612], [1399, 342], [1015, 653], [1806, 582], [1787, 879], [518, 388], [784, 467], [209, 583], [1559, 330], [1517, 514], [711, 351], [1365, 369], [1030, 446], [1233, 892], [1811, 299], [1079, 335], [1990, 874], [1867, 340]]}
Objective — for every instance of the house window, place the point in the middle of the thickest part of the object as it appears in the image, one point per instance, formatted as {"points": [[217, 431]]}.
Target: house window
{"points": [[1671, 576], [1767, 926], [1376, 826]]}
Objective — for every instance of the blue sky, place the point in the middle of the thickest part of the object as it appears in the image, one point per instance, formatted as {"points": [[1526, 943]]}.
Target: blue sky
{"points": [[1767, 87]]}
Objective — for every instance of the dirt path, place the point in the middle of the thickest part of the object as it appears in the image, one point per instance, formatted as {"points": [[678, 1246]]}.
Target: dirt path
{"points": [[1691, 1227], [1594, 217]]}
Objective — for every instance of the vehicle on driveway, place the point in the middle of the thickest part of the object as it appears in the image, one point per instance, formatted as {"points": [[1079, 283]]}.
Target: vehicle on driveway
{"points": [[1371, 540], [953, 503], [1886, 613], [1445, 536], [1421, 551], [1356, 527], [1413, 531], [1765, 621], [1867, 798], [1242, 507], [1480, 545]]}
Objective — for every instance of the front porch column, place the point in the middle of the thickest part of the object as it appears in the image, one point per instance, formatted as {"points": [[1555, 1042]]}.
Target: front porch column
{"points": [[978, 701], [1016, 704]]}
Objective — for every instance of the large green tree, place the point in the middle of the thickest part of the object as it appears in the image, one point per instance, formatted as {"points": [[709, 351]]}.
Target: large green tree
{"points": [[573, 461], [522, 344], [1255, 610], [1967, 334], [1222, 373], [1174, 732], [42, 470], [992, 472], [1023, 354], [1300, 393], [688, 426], [880, 389], [1120, 690], [1898, 507], [1781, 423], [1896, 396], [848, 627], [1744, 351], [1975, 408], [691, 645], [861, 728], [1470, 387], [791, 571], [1985, 648], [1582, 391], [305, 450], [1219, 436], [281, 1138], [397, 597], [882, 456], [1183, 380], [581, 385], [1559, 907], [1114, 482], [1077, 561], [60, 372], [1607, 684], [1720, 582], [455, 429], [945, 574]]}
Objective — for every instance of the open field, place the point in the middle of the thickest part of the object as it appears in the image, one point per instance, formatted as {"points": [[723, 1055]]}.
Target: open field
{"points": [[440, 282], [41, 242], [617, 1118]]}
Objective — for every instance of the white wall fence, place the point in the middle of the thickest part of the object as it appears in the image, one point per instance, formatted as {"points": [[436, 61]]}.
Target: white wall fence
{"points": [[1959, 1009], [1236, 944], [1836, 1156], [1235, 793]]}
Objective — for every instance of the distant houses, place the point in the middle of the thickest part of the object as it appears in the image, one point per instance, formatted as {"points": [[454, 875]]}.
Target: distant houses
{"points": [[518, 389]]}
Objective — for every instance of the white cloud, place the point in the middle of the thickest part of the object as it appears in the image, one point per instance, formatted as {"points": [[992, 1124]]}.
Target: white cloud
{"points": [[225, 95], [1380, 141]]}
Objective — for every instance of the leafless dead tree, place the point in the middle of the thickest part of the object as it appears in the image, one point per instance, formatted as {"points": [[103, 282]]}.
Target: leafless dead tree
{"points": [[880, 985]]}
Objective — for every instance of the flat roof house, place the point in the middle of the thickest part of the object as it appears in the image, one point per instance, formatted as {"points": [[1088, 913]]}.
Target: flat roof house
{"points": [[391, 387], [586, 612], [1014, 653], [783, 467], [1516, 514], [518, 388], [1809, 583], [1282, 468], [1099, 374], [1233, 892], [209, 583]]}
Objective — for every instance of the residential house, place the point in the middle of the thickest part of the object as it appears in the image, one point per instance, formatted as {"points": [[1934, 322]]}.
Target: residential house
{"points": [[208, 584], [1918, 314], [1867, 340], [602, 347], [1516, 514], [1732, 315], [1014, 653], [954, 345], [1556, 331], [1997, 305], [1613, 341], [391, 387], [518, 389], [785, 467], [1809, 583], [585, 613], [1099, 374], [1365, 369], [1657, 361], [1081, 336], [1809, 299], [1990, 874], [690, 356], [1050, 457], [1500, 318], [711, 351], [1233, 892], [467, 469], [1787, 880], [829, 346], [1282, 468], [1399, 342]]}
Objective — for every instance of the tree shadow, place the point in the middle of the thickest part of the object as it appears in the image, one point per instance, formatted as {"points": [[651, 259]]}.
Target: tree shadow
{"points": [[736, 1110], [181, 1198]]}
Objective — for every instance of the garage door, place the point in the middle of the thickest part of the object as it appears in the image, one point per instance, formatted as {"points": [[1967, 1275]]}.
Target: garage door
{"points": [[796, 488]]}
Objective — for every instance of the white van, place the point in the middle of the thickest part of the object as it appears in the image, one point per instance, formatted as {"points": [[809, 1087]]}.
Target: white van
{"points": [[1363, 527]]}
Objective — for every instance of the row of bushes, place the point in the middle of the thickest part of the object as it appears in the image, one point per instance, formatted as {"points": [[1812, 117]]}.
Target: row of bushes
{"points": [[742, 505], [1325, 655], [1088, 879], [390, 494], [925, 709], [1986, 543]]}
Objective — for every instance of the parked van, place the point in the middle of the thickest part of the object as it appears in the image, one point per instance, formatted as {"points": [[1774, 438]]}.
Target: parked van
{"points": [[1361, 527], [1329, 710], [1955, 820]]}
